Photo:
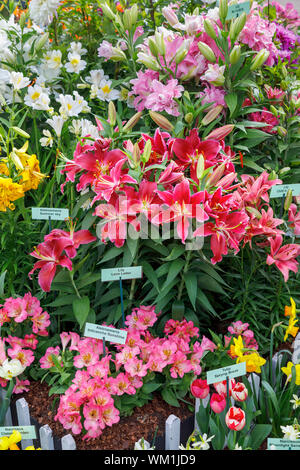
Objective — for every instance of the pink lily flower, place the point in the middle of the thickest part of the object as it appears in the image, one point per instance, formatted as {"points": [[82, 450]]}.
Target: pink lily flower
{"points": [[284, 257], [294, 219]]}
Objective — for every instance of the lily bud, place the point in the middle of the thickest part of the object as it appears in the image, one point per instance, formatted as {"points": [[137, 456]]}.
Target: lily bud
{"points": [[22, 20], [112, 114], [132, 121], [254, 211], [16, 160], [209, 29], [153, 47], [200, 166], [148, 61], [130, 17], [216, 175], [284, 170], [180, 55], [170, 16], [273, 176], [147, 151], [117, 54], [107, 11], [189, 118], [288, 200], [221, 132], [237, 26], [223, 10], [160, 43], [259, 59], [41, 42], [207, 52], [161, 121], [281, 131], [136, 154], [273, 110], [212, 115], [20, 132], [235, 54]]}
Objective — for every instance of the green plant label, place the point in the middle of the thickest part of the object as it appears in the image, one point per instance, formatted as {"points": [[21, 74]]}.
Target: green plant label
{"points": [[112, 335], [236, 10], [280, 190], [218, 375], [283, 444], [27, 432], [44, 213], [114, 274]]}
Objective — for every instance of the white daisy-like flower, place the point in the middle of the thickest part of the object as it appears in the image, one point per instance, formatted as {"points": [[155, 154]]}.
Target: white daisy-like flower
{"points": [[71, 106], [53, 59], [290, 432], [42, 11], [37, 98], [56, 122], [18, 81], [46, 141], [106, 93], [75, 64]]}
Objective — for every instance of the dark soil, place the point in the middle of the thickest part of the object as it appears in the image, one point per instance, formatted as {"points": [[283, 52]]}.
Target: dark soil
{"points": [[144, 422]]}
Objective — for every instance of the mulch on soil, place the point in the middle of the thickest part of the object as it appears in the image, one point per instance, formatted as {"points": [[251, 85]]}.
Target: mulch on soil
{"points": [[121, 436]]}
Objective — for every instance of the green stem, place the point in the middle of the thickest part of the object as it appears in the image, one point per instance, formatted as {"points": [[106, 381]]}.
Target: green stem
{"points": [[74, 285], [186, 266], [6, 402]]}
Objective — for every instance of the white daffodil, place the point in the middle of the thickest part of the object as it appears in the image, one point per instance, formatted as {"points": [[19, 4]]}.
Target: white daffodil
{"points": [[18, 81], [10, 369], [37, 98], [290, 432], [106, 93], [46, 141], [75, 64], [56, 122], [295, 402]]}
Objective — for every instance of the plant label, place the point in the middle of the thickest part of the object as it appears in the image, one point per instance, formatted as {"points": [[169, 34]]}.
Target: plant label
{"points": [[218, 375], [280, 190], [27, 432], [115, 274], [105, 332], [236, 10], [283, 444], [46, 213]]}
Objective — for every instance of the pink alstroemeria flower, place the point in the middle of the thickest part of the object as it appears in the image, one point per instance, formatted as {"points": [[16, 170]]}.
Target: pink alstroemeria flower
{"points": [[284, 257], [50, 255]]}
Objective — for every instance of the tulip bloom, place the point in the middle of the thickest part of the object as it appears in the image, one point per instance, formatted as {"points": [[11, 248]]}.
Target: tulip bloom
{"points": [[235, 418], [221, 387], [239, 392], [199, 388], [217, 403]]}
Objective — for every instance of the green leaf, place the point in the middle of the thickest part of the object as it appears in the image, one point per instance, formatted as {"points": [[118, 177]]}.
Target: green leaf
{"points": [[111, 254], [150, 387], [190, 280], [170, 397], [81, 309], [272, 395], [174, 269], [176, 251], [258, 434], [2, 279], [231, 101]]}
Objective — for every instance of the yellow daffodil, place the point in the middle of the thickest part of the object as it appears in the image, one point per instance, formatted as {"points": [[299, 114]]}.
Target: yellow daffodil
{"points": [[253, 362], [237, 348], [291, 329], [32, 448], [10, 443], [9, 191], [288, 372], [290, 310]]}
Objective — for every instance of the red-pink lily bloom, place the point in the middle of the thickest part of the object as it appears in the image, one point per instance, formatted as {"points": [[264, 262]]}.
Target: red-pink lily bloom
{"points": [[50, 255], [106, 185], [284, 257], [75, 239], [294, 219]]}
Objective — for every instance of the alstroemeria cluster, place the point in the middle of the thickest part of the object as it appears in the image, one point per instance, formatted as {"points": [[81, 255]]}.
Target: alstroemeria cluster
{"points": [[88, 405], [231, 212]]}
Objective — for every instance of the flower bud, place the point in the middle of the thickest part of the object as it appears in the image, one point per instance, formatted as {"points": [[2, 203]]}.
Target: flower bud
{"points": [[281, 131], [41, 42], [130, 17], [259, 59], [209, 29], [148, 61], [147, 151], [117, 54], [254, 211], [237, 26], [22, 19], [161, 121], [170, 16], [212, 115], [288, 200], [200, 166], [235, 418], [221, 132], [180, 55], [207, 52], [132, 121], [136, 154], [189, 118], [284, 170], [16, 160], [107, 11], [223, 10], [216, 175], [284, 85], [160, 43], [20, 132], [272, 176], [273, 110], [153, 47], [235, 55], [112, 114]]}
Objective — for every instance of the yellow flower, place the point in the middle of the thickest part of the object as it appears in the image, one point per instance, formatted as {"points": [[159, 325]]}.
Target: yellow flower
{"points": [[291, 329], [253, 362], [31, 175], [10, 443], [4, 443], [236, 349], [290, 310], [4, 169], [9, 191], [288, 372], [32, 448]]}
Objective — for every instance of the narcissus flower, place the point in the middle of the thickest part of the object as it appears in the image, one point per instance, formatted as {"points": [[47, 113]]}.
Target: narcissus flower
{"points": [[253, 362], [288, 372]]}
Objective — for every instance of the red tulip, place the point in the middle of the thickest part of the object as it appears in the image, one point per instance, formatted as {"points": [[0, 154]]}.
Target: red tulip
{"points": [[217, 403], [235, 418], [199, 388]]}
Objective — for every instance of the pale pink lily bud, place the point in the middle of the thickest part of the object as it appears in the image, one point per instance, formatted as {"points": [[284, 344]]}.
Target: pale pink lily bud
{"points": [[221, 132], [170, 16]]}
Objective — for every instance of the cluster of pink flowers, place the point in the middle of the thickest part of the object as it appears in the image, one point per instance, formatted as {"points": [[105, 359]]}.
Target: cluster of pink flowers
{"points": [[239, 328], [99, 377], [229, 211], [25, 309], [57, 249]]}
